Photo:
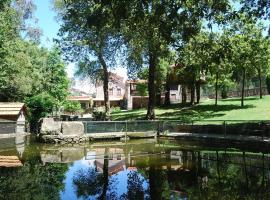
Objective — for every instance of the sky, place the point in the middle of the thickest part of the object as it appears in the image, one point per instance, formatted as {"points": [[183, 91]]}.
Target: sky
{"points": [[47, 22]]}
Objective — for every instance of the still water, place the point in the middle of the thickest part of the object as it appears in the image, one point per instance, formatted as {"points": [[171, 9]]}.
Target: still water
{"points": [[137, 169]]}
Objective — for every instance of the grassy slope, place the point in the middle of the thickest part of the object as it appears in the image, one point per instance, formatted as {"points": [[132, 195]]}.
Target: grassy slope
{"points": [[229, 109]]}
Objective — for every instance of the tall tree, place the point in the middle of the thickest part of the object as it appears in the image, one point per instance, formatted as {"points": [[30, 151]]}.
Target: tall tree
{"points": [[89, 36], [244, 40], [152, 26]]}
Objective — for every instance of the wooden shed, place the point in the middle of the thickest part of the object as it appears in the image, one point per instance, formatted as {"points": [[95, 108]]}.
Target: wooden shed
{"points": [[12, 117]]}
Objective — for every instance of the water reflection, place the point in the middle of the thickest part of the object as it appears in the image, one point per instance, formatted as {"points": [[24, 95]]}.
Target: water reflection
{"points": [[143, 169]]}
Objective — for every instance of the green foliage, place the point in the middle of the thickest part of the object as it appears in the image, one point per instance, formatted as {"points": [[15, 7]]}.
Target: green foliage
{"points": [[90, 37], [142, 89], [56, 82], [39, 106], [72, 106], [99, 114], [268, 83], [115, 109]]}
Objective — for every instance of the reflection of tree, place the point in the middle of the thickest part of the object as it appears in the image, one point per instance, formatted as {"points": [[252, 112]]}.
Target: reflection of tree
{"points": [[158, 181], [237, 180], [92, 183], [134, 187], [33, 180]]}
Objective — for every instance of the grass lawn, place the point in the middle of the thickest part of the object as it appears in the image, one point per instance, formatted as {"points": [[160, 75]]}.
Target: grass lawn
{"points": [[228, 109]]}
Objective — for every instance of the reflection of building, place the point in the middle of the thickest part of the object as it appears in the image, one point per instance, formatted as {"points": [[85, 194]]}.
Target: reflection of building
{"points": [[116, 160], [10, 161]]}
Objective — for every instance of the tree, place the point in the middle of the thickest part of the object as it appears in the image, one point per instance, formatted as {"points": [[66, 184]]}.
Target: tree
{"points": [[142, 90], [56, 83], [194, 59], [152, 26], [244, 38], [260, 57], [89, 36]]}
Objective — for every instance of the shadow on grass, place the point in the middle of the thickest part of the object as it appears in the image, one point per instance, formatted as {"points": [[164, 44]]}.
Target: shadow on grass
{"points": [[219, 108], [239, 99], [182, 112], [200, 112]]}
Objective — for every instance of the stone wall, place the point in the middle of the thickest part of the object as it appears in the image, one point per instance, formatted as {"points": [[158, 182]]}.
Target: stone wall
{"points": [[61, 132]]}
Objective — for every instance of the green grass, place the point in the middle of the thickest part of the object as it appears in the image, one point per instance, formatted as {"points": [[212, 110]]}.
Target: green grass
{"points": [[228, 109]]}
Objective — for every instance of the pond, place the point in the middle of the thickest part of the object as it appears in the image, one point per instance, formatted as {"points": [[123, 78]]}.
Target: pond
{"points": [[137, 169]]}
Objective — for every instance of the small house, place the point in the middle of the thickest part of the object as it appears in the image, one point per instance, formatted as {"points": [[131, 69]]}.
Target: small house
{"points": [[12, 117]]}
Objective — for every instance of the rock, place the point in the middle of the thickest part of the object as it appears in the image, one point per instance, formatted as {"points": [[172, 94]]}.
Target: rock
{"points": [[50, 127], [72, 128]]}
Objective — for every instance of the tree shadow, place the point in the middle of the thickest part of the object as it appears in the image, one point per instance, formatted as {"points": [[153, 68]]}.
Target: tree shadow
{"points": [[200, 112], [239, 99], [218, 108], [183, 112]]}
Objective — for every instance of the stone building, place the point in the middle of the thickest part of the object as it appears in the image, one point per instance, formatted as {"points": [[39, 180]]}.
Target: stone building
{"points": [[12, 118], [135, 100], [116, 91]]}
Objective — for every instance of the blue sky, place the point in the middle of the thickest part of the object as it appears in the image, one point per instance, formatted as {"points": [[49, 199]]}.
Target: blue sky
{"points": [[46, 21]]}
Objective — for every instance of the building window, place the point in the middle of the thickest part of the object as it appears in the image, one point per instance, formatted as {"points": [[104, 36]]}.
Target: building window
{"points": [[119, 91], [111, 91]]}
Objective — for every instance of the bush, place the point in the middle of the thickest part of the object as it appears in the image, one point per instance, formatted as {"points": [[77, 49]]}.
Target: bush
{"points": [[115, 109], [39, 106], [72, 107], [268, 83], [99, 114]]}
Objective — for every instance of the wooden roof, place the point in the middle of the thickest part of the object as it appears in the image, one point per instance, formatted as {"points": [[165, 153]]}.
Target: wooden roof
{"points": [[7, 108]]}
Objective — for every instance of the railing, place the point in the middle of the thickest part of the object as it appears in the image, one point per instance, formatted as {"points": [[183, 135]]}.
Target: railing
{"points": [[222, 127]]}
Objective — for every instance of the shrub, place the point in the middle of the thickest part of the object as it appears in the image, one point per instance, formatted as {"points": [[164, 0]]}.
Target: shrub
{"points": [[38, 106], [268, 83], [115, 109], [72, 107], [99, 114]]}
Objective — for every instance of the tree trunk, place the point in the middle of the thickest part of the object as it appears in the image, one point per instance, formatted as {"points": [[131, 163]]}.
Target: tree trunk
{"points": [[167, 92], [260, 80], [105, 175], [184, 94], [243, 87], [198, 91], [105, 86], [158, 97], [151, 87], [192, 94], [216, 89]]}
